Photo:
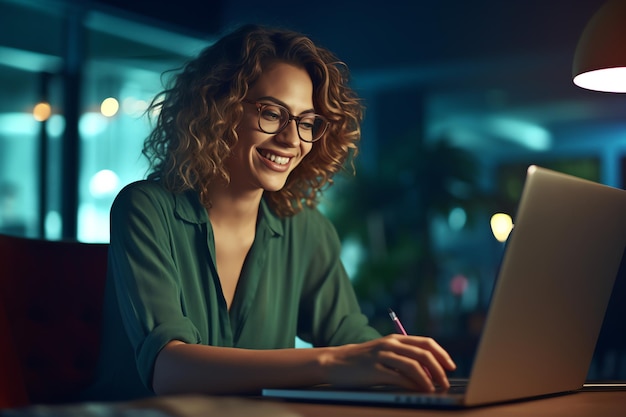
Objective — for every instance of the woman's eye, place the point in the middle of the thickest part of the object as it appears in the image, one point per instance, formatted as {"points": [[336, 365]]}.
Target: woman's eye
{"points": [[306, 125], [271, 114]]}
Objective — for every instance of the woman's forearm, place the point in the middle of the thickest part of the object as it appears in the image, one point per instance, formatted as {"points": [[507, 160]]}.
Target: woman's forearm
{"points": [[184, 368], [412, 362]]}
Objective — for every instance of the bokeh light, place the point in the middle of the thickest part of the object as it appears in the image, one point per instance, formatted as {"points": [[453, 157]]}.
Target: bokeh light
{"points": [[42, 111], [501, 226], [109, 107]]}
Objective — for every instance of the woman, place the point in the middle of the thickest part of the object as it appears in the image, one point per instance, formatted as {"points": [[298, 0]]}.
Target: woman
{"points": [[219, 259]]}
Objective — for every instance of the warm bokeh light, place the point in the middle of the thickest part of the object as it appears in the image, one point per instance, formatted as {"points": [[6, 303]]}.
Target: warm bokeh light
{"points": [[109, 107], [501, 226], [609, 80], [42, 111]]}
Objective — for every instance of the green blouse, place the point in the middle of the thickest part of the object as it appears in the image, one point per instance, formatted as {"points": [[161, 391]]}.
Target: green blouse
{"points": [[163, 285]]}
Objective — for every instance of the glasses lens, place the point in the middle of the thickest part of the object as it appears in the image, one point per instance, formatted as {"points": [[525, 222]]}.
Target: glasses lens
{"points": [[311, 127], [272, 118]]}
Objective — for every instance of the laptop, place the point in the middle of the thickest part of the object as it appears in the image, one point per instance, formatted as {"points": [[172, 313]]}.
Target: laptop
{"points": [[547, 305]]}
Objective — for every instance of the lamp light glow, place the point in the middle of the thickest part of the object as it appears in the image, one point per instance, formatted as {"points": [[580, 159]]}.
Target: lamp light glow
{"points": [[609, 80], [600, 58], [501, 226]]}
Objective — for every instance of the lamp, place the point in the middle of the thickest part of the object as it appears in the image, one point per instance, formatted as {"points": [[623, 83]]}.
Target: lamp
{"points": [[600, 58]]}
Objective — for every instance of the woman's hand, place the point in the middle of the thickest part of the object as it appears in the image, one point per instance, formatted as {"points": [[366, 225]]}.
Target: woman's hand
{"points": [[411, 362]]}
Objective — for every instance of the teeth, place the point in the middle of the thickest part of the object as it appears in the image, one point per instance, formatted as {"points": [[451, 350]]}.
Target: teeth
{"points": [[280, 160]]}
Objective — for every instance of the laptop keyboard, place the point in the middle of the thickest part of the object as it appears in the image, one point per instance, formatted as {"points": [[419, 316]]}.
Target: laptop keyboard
{"points": [[457, 386]]}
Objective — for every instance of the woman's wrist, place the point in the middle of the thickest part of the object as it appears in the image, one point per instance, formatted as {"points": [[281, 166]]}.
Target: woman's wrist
{"points": [[330, 362], [326, 359]]}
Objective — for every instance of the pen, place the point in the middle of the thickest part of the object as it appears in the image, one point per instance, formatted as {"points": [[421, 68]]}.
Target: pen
{"points": [[400, 329], [396, 322]]}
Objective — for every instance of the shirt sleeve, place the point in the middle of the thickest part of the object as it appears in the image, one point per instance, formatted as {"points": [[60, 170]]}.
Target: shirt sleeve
{"points": [[145, 277], [329, 311]]}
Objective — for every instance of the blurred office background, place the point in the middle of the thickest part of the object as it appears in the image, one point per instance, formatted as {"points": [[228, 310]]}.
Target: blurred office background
{"points": [[460, 98]]}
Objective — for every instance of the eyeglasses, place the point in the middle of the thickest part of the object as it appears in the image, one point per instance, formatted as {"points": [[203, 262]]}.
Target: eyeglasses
{"points": [[274, 118]]}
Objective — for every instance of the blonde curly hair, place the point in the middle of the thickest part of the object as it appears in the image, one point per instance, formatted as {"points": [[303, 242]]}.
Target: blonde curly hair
{"points": [[199, 111]]}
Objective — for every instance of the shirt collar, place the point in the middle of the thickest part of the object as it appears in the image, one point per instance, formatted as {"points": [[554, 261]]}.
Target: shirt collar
{"points": [[273, 222], [188, 208]]}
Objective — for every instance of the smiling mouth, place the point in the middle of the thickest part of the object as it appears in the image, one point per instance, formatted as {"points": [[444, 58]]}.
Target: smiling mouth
{"points": [[280, 160]]}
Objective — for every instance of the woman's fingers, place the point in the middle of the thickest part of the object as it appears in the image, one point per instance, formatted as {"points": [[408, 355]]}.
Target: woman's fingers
{"points": [[430, 345], [409, 373], [439, 353], [418, 358], [411, 362]]}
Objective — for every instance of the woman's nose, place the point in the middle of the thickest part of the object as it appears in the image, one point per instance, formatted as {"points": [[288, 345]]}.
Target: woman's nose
{"points": [[289, 135]]}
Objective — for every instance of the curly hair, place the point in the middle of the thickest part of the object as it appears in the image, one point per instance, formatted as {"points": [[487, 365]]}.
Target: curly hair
{"points": [[200, 109]]}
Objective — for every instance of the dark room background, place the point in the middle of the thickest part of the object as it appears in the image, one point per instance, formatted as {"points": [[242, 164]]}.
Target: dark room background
{"points": [[460, 98]]}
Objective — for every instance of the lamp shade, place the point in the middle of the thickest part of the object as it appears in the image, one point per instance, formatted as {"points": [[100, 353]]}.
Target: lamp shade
{"points": [[600, 58]]}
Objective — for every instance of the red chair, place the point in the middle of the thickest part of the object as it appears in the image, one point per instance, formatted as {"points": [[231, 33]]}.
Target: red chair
{"points": [[50, 313]]}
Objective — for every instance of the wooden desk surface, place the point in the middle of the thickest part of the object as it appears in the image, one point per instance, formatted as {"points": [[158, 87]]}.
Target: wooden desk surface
{"points": [[581, 404]]}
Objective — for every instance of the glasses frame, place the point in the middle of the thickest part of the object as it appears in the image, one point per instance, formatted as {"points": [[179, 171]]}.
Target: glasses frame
{"points": [[260, 105]]}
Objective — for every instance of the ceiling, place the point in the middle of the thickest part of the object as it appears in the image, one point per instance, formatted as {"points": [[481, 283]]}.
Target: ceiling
{"points": [[473, 66]]}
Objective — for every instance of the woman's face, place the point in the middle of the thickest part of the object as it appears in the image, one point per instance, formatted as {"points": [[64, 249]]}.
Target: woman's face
{"points": [[262, 161]]}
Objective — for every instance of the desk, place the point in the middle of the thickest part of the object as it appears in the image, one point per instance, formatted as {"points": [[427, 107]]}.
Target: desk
{"points": [[582, 404]]}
